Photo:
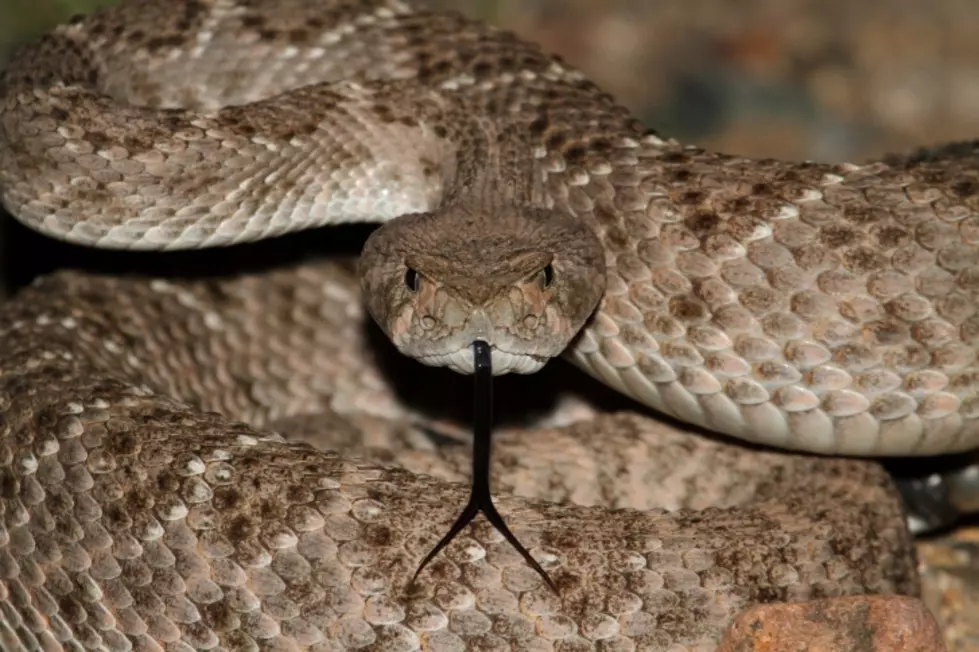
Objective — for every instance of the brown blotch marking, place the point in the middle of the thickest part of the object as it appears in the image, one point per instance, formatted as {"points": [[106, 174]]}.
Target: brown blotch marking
{"points": [[674, 157], [71, 610], [168, 483], [864, 214], [122, 444], [136, 143], [606, 216], [193, 9], [384, 113], [812, 256], [115, 517], [137, 501], [298, 495], [565, 540], [298, 35], [934, 177], [466, 56], [268, 34], [429, 167], [964, 382], [253, 21], [616, 235], [575, 154], [219, 616], [9, 485], [565, 582], [539, 125], [759, 300], [241, 528], [440, 131], [838, 236], [886, 333], [968, 280], [556, 140], [739, 205], [863, 260], [532, 61], [692, 197], [601, 145], [160, 42], [482, 69], [742, 227], [687, 309], [442, 569], [890, 237], [378, 536], [226, 499], [703, 223], [270, 509], [429, 71], [681, 175], [966, 188], [59, 114], [927, 330]]}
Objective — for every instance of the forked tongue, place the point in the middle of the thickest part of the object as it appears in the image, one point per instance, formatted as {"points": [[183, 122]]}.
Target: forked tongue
{"points": [[480, 499]]}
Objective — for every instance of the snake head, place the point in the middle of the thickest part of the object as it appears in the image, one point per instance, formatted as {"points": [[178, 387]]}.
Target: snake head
{"points": [[524, 280]]}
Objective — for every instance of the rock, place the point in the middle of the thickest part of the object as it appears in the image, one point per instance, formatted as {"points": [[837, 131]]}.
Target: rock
{"points": [[866, 623]]}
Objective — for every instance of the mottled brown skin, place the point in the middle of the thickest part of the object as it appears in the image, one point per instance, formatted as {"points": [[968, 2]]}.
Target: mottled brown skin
{"points": [[524, 280], [830, 308], [818, 307], [134, 516]]}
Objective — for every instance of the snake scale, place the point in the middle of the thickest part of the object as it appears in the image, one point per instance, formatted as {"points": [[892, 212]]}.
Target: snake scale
{"points": [[148, 502]]}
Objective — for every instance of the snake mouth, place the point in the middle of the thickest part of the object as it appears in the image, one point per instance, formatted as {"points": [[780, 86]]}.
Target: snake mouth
{"points": [[504, 362]]}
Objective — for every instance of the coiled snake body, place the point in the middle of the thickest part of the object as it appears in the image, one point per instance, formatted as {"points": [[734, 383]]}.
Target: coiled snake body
{"points": [[827, 309]]}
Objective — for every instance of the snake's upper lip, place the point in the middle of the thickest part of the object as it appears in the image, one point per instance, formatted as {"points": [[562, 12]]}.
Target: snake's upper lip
{"points": [[504, 362]]}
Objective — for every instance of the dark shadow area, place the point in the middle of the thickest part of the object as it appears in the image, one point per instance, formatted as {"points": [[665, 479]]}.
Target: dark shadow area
{"points": [[25, 254], [935, 491], [520, 399]]}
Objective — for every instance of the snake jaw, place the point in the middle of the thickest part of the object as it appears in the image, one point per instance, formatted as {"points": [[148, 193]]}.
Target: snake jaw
{"points": [[504, 362]]}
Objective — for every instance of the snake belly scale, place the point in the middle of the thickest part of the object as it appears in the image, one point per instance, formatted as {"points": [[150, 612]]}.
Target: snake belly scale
{"points": [[822, 308]]}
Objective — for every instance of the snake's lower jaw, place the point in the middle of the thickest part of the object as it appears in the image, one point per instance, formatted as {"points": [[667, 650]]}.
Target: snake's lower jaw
{"points": [[504, 362]]}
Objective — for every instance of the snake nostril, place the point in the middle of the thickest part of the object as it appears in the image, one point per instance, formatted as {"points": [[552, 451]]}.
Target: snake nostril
{"points": [[531, 321], [546, 277], [428, 322], [411, 280]]}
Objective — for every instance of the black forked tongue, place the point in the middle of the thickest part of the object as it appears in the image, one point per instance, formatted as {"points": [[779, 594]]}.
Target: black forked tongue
{"points": [[480, 499]]}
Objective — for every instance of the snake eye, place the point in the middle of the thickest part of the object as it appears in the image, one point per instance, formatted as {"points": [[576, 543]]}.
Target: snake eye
{"points": [[411, 280], [545, 277]]}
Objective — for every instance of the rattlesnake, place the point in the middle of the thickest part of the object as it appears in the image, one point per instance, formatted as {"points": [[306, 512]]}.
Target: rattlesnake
{"points": [[824, 308]]}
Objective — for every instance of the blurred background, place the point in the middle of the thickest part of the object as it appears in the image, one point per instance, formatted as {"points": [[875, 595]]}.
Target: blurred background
{"points": [[826, 80]]}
